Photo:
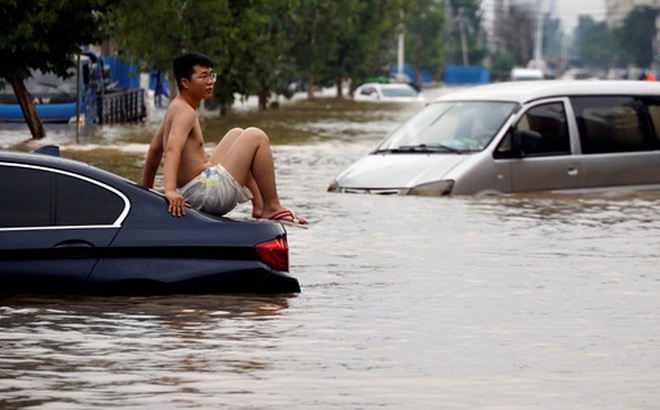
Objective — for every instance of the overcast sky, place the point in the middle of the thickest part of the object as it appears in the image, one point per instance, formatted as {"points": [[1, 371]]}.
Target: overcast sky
{"points": [[569, 10]]}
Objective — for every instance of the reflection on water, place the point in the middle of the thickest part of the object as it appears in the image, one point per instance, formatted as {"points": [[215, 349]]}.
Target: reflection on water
{"points": [[527, 301], [70, 351]]}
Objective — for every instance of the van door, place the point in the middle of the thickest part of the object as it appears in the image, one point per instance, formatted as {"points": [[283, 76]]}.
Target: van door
{"points": [[543, 162], [619, 140]]}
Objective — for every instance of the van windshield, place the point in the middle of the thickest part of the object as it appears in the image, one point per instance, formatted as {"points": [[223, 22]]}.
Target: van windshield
{"points": [[43, 85], [449, 127]]}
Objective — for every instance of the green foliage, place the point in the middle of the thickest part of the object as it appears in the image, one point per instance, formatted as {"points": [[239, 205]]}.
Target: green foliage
{"points": [[46, 34], [259, 60], [314, 35], [260, 45], [595, 43], [365, 40], [516, 33], [257, 46], [552, 37], [502, 65], [632, 43], [636, 36], [153, 31], [424, 21], [471, 10], [243, 38]]}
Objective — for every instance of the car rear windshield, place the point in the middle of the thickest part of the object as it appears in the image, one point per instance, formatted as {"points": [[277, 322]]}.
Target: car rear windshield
{"points": [[40, 198], [450, 126]]}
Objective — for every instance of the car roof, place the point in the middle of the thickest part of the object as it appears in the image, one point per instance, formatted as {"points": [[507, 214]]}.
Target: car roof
{"points": [[525, 91], [387, 85]]}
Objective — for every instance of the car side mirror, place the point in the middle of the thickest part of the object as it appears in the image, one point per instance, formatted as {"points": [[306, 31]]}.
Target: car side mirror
{"points": [[526, 142]]}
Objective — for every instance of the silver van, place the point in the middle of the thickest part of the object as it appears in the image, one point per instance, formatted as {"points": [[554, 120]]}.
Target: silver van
{"points": [[567, 136]]}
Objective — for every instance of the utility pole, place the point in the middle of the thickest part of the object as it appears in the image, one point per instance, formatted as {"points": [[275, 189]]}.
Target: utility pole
{"points": [[401, 50], [538, 43], [461, 25]]}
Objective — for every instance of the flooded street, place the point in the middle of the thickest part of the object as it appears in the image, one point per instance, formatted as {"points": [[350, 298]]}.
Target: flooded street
{"points": [[528, 302]]}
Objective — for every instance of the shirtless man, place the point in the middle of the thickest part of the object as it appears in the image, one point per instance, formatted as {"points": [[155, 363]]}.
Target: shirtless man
{"points": [[239, 169]]}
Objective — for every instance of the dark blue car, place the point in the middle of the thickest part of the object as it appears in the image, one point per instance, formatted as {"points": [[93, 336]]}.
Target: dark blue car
{"points": [[68, 227]]}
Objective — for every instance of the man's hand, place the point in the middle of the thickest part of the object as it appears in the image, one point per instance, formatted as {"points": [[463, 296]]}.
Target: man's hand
{"points": [[176, 203]]}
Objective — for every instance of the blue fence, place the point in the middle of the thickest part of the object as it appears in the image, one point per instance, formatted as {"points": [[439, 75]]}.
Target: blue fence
{"points": [[128, 76], [461, 74]]}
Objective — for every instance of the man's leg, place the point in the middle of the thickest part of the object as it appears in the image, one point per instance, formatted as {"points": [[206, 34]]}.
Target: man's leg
{"points": [[223, 146], [246, 155]]}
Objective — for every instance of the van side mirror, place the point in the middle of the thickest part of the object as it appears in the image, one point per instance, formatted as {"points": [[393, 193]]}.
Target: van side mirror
{"points": [[526, 142]]}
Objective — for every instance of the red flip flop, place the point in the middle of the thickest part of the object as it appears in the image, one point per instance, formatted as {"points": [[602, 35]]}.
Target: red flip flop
{"points": [[287, 217]]}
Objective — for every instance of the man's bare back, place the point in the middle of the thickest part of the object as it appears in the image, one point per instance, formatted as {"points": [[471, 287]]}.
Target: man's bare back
{"points": [[193, 159]]}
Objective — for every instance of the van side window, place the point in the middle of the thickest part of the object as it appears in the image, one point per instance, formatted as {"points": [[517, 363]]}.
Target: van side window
{"points": [[549, 121], [615, 124], [653, 108], [652, 105]]}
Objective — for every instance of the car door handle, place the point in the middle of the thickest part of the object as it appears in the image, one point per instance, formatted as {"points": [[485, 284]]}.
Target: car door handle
{"points": [[573, 171], [75, 248]]}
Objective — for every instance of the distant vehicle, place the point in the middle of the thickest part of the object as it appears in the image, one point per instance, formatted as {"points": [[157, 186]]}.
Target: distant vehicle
{"points": [[387, 92], [57, 99], [526, 74], [578, 74], [69, 228], [565, 136]]}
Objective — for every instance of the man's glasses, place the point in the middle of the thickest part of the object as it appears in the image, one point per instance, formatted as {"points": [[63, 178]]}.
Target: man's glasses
{"points": [[205, 77]]}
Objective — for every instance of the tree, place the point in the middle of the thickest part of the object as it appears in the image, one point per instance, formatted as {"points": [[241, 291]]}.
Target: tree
{"points": [[552, 37], [636, 36], [153, 31], [469, 11], [366, 31], [314, 38], [502, 65], [517, 33], [424, 26], [244, 39], [594, 43], [260, 60], [358, 38], [44, 35], [350, 30]]}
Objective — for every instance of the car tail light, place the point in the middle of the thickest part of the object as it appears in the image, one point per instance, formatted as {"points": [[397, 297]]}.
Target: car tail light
{"points": [[274, 253]]}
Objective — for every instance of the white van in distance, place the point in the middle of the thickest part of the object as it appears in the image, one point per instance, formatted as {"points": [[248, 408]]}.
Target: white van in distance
{"points": [[526, 74], [568, 136]]}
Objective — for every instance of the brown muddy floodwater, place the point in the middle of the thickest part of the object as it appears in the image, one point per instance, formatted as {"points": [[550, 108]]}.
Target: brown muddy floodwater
{"points": [[529, 302]]}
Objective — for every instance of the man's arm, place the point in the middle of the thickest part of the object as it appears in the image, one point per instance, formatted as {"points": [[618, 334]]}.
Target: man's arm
{"points": [[183, 121], [154, 156]]}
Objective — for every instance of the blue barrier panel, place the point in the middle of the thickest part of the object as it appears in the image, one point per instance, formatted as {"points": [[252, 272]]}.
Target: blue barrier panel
{"points": [[128, 76], [461, 74]]}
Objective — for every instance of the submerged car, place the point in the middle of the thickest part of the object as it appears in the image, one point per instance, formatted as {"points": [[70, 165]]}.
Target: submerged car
{"points": [[387, 92], [68, 227], [512, 137]]}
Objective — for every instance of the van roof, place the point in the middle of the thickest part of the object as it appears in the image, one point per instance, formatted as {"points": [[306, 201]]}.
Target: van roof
{"points": [[526, 72], [525, 91]]}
